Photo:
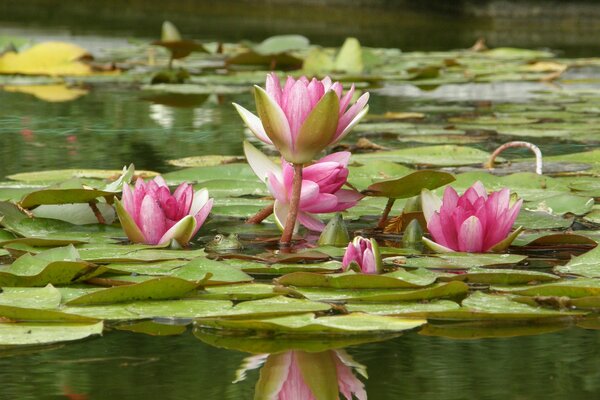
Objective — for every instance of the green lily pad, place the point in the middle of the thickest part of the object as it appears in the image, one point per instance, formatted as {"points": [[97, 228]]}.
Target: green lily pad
{"points": [[458, 260], [409, 185], [586, 265], [158, 288], [573, 288], [405, 308], [257, 268], [542, 220], [356, 323], [241, 292], [351, 279], [185, 308], [439, 156], [153, 328], [51, 231], [503, 276], [266, 345], [210, 272], [482, 306], [58, 266], [38, 333], [441, 290], [61, 175]]}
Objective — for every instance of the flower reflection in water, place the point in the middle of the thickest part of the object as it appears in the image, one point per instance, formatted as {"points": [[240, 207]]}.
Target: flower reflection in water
{"points": [[303, 375]]}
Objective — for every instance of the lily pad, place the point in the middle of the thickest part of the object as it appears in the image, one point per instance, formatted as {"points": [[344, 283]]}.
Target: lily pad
{"points": [[409, 185], [439, 156], [405, 308], [351, 279], [573, 288], [38, 333], [356, 323], [57, 266], [442, 290], [458, 260], [159, 288], [586, 265]]}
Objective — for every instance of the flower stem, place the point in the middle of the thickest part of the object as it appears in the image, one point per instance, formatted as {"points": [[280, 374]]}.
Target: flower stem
{"points": [[290, 221], [261, 215], [97, 213], [386, 213], [536, 150]]}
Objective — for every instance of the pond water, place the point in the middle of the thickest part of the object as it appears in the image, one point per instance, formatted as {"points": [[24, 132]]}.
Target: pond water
{"points": [[115, 124]]}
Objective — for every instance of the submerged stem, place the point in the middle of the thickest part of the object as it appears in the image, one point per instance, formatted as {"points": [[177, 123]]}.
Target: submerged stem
{"points": [[290, 221], [386, 213], [261, 215], [97, 213]]}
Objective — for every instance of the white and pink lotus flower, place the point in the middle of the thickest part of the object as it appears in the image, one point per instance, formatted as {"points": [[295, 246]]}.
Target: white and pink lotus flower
{"points": [[474, 222], [322, 184], [304, 117], [150, 214]]}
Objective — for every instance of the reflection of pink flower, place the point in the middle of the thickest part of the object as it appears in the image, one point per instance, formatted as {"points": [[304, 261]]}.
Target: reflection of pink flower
{"points": [[321, 185], [364, 253], [291, 375], [151, 214], [473, 222], [303, 117]]}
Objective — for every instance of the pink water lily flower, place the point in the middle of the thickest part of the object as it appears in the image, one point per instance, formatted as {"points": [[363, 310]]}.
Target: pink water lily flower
{"points": [[321, 186], [474, 222], [362, 254], [304, 116], [150, 214], [295, 375]]}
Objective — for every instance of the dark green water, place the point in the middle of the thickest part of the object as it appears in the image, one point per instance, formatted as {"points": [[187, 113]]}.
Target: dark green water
{"points": [[112, 126], [553, 366]]}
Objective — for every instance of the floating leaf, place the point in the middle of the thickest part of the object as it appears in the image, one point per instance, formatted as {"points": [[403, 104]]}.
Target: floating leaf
{"points": [[48, 58], [409, 185], [153, 328], [405, 308], [57, 266], [571, 288], [37, 333], [587, 265], [442, 290], [486, 329], [356, 323], [159, 288], [441, 156], [458, 260], [350, 279], [51, 93], [482, 306], [504, 276]]}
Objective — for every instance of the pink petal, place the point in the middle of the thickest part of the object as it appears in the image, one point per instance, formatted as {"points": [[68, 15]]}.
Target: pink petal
{"points": [[296, 108], [326, 83], [341, 157], [434, 226], [345, 100], [184, 194], [253, 123], [348, 383], [450, 198], [294, 387], [201, 216], [273, 87], [368, 265], [323, 203], [470, 236], [337, 88], [315, 92], [276, 188], [160, 181], [352, 112], [350, 255], [311, 222], [128, 201], [152, 220], [309, 193]]}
